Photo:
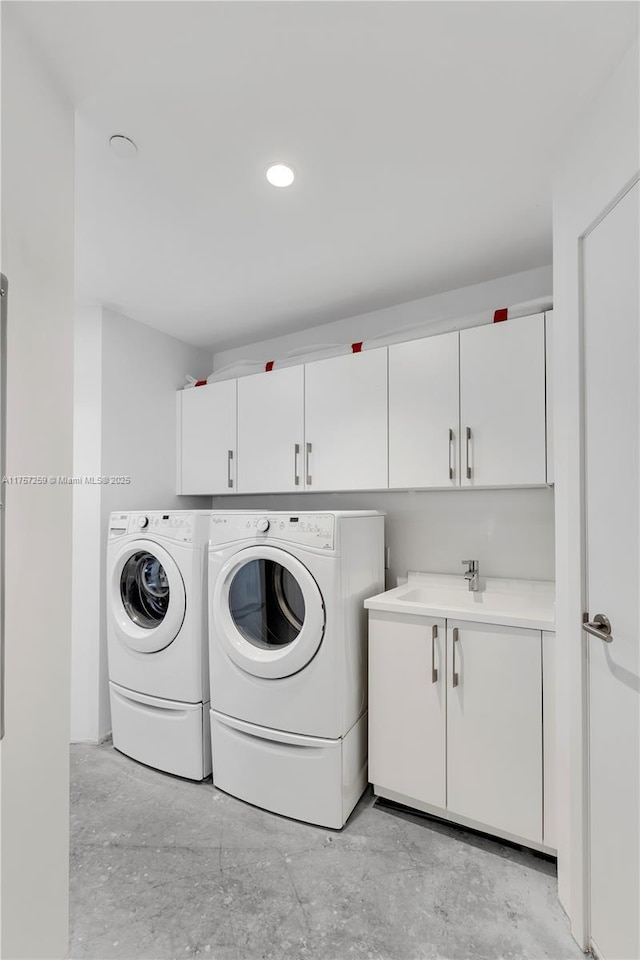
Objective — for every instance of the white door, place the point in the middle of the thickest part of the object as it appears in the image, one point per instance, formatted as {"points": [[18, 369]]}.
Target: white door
{"points": [[407, 703], [502, 403], [4, 292], [346, 422], [207, 439], [424, 412], [271, 431], [611, 372], [494, 726]]}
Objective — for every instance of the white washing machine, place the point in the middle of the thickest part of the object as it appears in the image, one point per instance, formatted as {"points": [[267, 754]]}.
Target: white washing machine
{"points": [[157, 639], [287, 655]]}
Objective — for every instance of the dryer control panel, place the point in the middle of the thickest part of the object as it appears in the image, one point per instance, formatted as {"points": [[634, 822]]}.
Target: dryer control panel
{"points": [[306, 529]]}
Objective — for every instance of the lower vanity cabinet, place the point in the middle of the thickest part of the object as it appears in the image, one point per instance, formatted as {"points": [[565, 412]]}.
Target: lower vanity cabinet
{"points": [[494, 726], [407, 706], [455, 721]]}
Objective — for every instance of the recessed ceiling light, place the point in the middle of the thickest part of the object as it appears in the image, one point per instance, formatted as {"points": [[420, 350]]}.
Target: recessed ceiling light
{"points": [[123, 146], [280, 175]]}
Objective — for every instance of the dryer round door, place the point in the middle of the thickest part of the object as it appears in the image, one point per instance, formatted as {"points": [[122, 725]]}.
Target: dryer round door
{"points": [[267, 612], [147, 599]]}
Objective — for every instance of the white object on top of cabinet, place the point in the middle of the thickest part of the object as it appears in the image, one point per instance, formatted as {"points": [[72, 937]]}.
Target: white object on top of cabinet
{"points": [[424, 412], [206, 439], [271, 431], [346, 422], [502, 409]]}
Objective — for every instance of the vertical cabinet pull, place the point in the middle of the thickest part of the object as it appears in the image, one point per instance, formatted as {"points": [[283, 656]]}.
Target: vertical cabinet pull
{"points": [[467, 454], [296, 454], [450, 460], [434, 669], [229, 462], [308, 456], [455, 677]]}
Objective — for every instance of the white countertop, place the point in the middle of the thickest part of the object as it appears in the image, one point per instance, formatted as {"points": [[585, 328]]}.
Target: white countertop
{"points": [[510, 603]]}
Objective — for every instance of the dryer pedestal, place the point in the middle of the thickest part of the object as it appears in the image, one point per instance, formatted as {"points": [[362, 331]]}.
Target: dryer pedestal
{"points": [[165, 734], [311, 779]]}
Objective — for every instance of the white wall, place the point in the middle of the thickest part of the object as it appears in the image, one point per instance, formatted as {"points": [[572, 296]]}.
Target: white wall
{"points": [[127, 375], [599, 159], [37, 256], [87, 458], [509, 531], [442, 309]]}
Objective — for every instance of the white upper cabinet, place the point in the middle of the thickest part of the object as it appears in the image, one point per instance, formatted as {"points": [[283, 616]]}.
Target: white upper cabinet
{"points": [[206, 418], [271, 431], [424, 413], [502, 403], [457, 409], [346, 422]]}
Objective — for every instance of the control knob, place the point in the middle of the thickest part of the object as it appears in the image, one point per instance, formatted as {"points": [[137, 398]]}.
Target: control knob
{"points": [[143, 522], [263, 525]]}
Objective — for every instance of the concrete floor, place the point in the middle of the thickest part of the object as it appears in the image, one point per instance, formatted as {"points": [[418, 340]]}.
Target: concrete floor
{"points": [[164, 868]]}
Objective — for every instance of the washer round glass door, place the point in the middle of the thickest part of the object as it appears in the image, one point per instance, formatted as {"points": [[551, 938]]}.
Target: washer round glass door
{"points": [[147, 597], [267, 612]]}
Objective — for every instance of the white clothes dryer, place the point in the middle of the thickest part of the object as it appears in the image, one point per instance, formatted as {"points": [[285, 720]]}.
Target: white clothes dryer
{"points": [[157, 639], [287, 657]]}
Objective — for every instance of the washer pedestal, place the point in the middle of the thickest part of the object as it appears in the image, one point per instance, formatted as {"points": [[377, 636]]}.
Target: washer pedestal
{"points": [[306, 778], [164, 734]]}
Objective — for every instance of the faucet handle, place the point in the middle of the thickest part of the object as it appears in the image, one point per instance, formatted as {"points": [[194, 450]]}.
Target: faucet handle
{"points": [[472, 564]]}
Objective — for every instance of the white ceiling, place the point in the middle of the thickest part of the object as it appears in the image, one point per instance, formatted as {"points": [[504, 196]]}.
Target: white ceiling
{"points": [[424, 136]]}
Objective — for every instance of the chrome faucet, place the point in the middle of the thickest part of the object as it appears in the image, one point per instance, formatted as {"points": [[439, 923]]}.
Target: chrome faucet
{"points": [[472, 576]]}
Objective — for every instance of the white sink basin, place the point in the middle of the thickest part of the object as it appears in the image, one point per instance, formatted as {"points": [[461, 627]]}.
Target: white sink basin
{"points": [[426, 595], [517, 603]]}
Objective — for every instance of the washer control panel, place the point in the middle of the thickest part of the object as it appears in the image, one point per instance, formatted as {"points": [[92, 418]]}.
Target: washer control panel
{"points": [[174, 526], [307, 529]]}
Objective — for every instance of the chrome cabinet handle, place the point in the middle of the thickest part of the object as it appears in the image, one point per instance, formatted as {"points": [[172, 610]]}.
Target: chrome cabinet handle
{"points": [[229, 462], [455, 679], [308, 454], [296, 454], [450, 446], [467, 453], [434, 669], [598, 627]]}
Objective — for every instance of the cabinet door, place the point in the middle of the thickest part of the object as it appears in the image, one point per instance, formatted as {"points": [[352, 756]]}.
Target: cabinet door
{"points": [[407, 706], [548, 334], [346, 422], [494, 726], [549, 738], [207, 438], [271, 431], [424, 413], [502, 403]]}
